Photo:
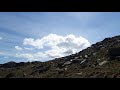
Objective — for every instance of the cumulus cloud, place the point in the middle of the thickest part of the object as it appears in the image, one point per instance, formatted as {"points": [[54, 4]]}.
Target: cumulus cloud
{"points": [[18, 48], [32, 57], [59, 46]]}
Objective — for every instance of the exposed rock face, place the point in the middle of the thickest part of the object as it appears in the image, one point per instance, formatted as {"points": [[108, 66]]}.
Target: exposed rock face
{"points": [[101, 60]]}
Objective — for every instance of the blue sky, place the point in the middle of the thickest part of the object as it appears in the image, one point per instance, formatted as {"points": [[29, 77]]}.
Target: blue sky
{"points": [[15, 27]]}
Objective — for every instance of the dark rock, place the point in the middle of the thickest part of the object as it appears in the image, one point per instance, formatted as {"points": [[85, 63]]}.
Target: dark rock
{"points": [[60, 64], [21, 64], [114, 52], [10, 75], [60, 70]]}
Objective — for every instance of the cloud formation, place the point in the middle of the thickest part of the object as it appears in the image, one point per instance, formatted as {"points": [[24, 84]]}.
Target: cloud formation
{"points": [[32, 57], [18, 48], [59, 46]]}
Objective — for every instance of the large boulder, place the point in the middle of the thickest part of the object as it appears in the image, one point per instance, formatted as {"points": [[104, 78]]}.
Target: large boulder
{"points": [[67, 63], [114, 52]]}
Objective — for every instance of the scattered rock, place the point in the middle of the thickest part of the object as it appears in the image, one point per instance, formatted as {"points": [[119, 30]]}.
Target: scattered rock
{"points": [[94, 54], [76, 58], [79, 73], [118, 40], [67, 63], [41, 68], [60, 64], [65, 69], [98, 59], [24, 74], [51, 62], [93, 65], [59, 70], [83, 61], [80, 56], [86, 56], [102, 47], [100, 64]]}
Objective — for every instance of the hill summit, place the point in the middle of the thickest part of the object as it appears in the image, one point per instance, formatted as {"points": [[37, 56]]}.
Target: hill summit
{"points": [[100, 60]]}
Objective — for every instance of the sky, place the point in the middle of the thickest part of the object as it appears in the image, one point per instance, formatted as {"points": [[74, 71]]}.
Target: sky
{"points": [[43, 36]]}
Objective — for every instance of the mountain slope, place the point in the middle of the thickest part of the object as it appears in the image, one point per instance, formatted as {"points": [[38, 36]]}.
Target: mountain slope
{"points": [[93, 62]]}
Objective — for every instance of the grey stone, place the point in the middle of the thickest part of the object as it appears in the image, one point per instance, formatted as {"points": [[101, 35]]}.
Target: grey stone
{"points": [[79, 73], [76, 58], [59, 70], [94, 54], [24, 74], [67, 63], [65, 69], [118, 40], [82, 61], [98, 59], [80, 56], [86, 56], [93, 66], [101, 63]]}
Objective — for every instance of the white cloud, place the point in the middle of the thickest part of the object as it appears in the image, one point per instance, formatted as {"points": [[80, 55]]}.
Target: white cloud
{"points": [[18, 48], [32, 57], [1, 38], [28, 48], [59, 46], [26, 55]]}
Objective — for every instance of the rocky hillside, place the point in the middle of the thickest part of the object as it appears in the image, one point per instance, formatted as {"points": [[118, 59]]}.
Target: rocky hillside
{"points": [[101, 60]]}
